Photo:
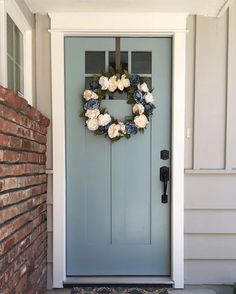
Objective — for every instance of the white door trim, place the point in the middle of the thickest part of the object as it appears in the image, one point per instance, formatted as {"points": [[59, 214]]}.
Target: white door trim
{"points": [[152, 24]]}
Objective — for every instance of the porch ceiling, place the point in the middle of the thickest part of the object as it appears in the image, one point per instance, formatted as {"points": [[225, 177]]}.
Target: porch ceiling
{"points": [[199, 7]]}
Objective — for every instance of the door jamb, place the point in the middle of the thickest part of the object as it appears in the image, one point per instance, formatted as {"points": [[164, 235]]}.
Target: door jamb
{"points": [[171, 25]]}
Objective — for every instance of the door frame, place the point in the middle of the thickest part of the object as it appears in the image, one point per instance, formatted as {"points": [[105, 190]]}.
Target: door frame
{"points": [[152, 25]]}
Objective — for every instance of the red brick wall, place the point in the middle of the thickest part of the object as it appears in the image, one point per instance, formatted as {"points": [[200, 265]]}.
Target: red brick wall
{"points": [[23, 187]]}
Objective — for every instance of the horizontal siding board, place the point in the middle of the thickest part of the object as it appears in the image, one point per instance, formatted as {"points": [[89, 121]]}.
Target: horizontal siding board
{"points": [[210, 221], [210, 191], [210, 246], [210, 271], [210, 92]]}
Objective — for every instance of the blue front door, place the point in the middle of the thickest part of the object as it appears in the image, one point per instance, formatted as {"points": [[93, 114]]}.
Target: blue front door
{"points": [[116, 221]]}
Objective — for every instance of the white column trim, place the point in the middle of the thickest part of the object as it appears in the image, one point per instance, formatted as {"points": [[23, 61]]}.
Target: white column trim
{"points": [[177, 184], [58, 129], [171, 25]]}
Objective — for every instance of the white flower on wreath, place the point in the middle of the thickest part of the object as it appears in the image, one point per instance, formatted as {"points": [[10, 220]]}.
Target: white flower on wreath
{"points": [[92, 113], [88, 94], [104, 119], [104, 82], [114, 131], [143, 87], [138, 108], [112, 84], [92, 124], [149, 98], [141, 121], [123, 83], [122, 128]]}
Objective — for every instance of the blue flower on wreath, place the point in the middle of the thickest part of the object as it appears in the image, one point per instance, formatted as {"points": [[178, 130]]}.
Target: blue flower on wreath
{"points": [[91, 104], [148, 107], [138, 96], [104, 129], [134, 80], [131, 128], [94, 86]]}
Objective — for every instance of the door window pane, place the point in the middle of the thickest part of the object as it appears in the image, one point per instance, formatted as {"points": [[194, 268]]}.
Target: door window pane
{"points": [[142, 62], [94, 62], [15, 62]]}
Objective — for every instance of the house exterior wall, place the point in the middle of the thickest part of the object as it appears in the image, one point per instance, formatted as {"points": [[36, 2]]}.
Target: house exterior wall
{"points": [[210, 157], [23, 195], [210, 203]]}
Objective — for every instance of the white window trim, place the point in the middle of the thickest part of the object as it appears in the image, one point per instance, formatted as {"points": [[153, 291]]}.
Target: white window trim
{"points": [[153, 24], [11, 8]]}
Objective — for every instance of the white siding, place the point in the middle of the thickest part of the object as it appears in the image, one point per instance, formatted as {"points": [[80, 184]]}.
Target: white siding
{"points": [[210, 92], [210, 271], [210, 195], [209, 191], [210, 246]]}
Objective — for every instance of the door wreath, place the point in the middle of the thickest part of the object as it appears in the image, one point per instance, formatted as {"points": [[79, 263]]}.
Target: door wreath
{"points": [[139, 96]]}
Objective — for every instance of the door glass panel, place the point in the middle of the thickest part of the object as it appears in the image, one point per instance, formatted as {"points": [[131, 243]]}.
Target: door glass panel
{"points": [[123, 59], [94, 62], [142, 62]]}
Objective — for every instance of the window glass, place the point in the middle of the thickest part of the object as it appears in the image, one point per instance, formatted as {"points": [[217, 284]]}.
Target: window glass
{"points": [[15, 70], [142, 62], [94, 62]]}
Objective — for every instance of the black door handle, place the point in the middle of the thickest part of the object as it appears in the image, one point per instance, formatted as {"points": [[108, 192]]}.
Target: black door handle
{"points": [[164, 177]]}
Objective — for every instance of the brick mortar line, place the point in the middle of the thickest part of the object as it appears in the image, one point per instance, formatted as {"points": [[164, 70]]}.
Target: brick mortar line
{"points": [[19, 137], [21, 202], [27, 222], [18, 203], [7, 149], [23, 126], [23, 188], [24, 225], [22, 150], [22, 175], [27, 248], [20, 163], [25, 110]]}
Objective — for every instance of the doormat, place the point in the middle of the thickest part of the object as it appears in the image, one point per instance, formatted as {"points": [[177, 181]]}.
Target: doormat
{"points": [[119, 290]]}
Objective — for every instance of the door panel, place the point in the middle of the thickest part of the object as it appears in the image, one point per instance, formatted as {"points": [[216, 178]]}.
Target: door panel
{"points": [[116, 223]]}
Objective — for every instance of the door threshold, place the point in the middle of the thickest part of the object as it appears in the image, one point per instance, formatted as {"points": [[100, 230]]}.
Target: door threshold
{"points": [[115, 280]]}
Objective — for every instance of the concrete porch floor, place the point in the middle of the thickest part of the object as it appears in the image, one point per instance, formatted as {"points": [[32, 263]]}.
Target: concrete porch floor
{"points": [[204, 289]]}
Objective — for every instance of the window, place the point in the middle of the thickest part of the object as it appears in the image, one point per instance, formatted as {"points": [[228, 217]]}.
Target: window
{"points": [[15, 65]]}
